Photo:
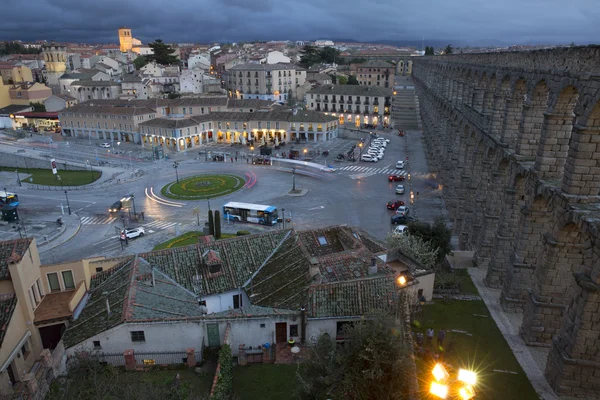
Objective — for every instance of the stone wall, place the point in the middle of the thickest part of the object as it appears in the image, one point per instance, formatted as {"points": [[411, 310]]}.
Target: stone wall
{"points": [[515, 139], [23, 162]]}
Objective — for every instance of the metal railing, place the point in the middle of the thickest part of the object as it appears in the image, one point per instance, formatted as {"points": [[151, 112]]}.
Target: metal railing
{"points": [[160, 358]]}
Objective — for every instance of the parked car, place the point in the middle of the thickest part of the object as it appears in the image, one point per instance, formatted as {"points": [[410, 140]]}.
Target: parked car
{"points": [[396, 178], [116, 207], [368, 158], [105, 145], [394, 205], [400, 165], [398, 219], [400, 230], [400, 189], [133, 233], [402, 210]]}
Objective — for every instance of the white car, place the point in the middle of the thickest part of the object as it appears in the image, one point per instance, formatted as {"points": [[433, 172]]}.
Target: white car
{"points": [[375, 154], [105, 145], [400, 230], [400, 165], [381, 143], [400, 189], [368, 158], [402, 210], [133, 233]]}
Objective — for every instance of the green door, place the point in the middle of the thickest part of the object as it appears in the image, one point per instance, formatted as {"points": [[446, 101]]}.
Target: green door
{"points": [[213, 335]]}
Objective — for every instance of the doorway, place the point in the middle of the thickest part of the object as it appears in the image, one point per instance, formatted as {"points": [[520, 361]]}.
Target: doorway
{"points": [[212, 330], [281, 332], [51, 335]]}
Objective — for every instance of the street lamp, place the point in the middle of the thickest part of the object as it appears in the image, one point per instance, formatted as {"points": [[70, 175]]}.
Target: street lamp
{"points": [[283, 216], [293, 179], [68, 205], [18, 177], [252, 149], [130, 160], [463, 386], [305, 153], [360, 146], [176, 165], [133, 201]]}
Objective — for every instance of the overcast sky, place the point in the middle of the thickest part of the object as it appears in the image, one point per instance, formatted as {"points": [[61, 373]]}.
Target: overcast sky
{"points": [[508, 21]]}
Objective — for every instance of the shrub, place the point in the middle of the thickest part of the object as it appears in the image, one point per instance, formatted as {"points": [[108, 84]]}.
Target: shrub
{"points": [[224, 386], [242, 233], [217, 224], [211, 223]]}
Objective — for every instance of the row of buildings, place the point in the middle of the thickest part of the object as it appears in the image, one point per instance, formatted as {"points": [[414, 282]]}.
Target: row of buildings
{"points": [[263, 288]]}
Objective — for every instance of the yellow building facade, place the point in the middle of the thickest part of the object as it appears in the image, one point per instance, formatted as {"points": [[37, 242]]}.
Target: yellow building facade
{"points": [[125, 39]]}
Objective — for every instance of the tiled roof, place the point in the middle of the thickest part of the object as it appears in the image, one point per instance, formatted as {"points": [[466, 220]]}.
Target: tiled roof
{"points": [[265, 67], [376, 64], [94, 83], [318, 76], [76, 75], [241, 257], [249, 103], [100, 277], [176, 123], [208, 101], [13, 108], [65, 97], [352, 90], [352, 298], [8, 303], [349, 266], [338, 238], [11, 251], [135, 294], [283, 281], [90, 107], [252, 311], [372, 243]]}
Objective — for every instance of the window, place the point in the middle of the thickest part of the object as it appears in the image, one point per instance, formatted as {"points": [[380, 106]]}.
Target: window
{"points": [[262, 325], [68, 279], [97, 345], [98, 269], [237, 301], [276, 125], [138, 336], [294, 330], [322, 240], [259, 125], [53, 282], [190, 110], [25, 350]]}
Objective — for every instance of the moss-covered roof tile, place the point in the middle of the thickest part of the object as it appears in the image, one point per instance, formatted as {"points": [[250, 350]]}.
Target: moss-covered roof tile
{"points": [[8, 303], [11, 251]]}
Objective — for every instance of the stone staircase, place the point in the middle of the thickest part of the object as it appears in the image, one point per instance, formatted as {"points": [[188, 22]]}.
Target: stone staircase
{"points": [[405, 107]]}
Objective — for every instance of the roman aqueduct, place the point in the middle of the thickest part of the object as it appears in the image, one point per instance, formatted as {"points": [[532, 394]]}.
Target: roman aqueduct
{"points": [[514, 138]]}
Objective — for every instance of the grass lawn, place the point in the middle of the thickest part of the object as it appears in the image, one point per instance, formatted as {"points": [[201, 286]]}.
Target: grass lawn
{"points": [[45, 176], [484, 351], [203, 186], [186, 239], [265, 381]]}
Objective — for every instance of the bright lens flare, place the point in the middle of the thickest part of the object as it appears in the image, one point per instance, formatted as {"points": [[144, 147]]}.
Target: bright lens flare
{"points": [[466, 392], [401, 280], [438, 390], [468, 377], [439, 373]]}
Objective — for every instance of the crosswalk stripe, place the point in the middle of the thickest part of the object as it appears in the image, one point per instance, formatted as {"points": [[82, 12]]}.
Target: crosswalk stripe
{"points": [[96, 220]]}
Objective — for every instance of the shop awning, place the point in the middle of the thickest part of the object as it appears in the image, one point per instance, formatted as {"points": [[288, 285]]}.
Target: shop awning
{"points": [[46, 115]]}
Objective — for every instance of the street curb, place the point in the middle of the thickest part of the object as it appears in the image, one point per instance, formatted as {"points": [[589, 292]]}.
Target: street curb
{"points": [[56, 237], [302, 193]]}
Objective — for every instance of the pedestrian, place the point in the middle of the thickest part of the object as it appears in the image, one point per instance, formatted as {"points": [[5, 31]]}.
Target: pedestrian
{"points": [[419, 339], [235, 158], [231, 160], [430, 336], [440, 338]]}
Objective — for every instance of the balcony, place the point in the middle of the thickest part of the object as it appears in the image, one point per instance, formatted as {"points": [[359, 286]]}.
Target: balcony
{"points": [[376, 102], [349, 101], [366, 103], [333, 100], [326, 100], [341, 110]]}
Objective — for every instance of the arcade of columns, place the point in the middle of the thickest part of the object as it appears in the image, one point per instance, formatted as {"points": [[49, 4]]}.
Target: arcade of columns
{"points": [[515, 140]]}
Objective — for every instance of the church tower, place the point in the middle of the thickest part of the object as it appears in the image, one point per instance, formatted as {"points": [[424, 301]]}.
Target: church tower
{"points": [[55, 59], [125, 39]]}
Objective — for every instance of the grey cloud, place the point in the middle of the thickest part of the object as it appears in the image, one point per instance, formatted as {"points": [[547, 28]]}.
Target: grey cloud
{"points": [[509, 21]]}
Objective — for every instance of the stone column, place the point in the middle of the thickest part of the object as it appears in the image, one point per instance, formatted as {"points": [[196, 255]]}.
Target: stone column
{"points": [[481, 171], [582, 170], [130, 363], [467, 95], [191, 357], [458, 97], [512, 120], [547, 300], [497, 114], [530, 130], [242, 359], [477, 101], [467, 205], [573, 366], [553, 149]]}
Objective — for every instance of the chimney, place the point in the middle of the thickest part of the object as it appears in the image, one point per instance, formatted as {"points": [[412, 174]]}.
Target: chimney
{"points": [[105, 294], [373, 267], [303, 325], [153, 280]]}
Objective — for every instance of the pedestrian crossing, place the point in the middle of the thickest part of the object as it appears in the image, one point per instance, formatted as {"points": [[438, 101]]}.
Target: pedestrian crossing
{"points": [[363, 172], [100, 220], [158, 225]]}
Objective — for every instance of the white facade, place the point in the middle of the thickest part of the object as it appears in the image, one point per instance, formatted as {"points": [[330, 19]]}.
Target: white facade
{"points": [[191, 80], [143, 50], [323, 43], [224, 301], [201, 60], [152, 69], [274, 57]]}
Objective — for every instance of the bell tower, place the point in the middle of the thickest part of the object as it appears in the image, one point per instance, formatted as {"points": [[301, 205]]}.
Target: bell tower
{"points": [[125, 39], [55, 59]]}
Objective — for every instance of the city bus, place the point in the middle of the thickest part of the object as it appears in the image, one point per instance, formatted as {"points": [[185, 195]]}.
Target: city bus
{"points": [[255, 213], [8, 198]]}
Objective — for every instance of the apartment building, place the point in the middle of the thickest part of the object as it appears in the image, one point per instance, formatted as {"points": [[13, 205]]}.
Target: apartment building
{"points": [[264, 81], [85, 90], [26, 93], [239, 127], [13, 73], [353, 104], [120, 119], [376, 73]]}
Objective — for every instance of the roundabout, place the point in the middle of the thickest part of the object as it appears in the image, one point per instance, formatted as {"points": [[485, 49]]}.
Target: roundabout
{"points": [[200, 187]]}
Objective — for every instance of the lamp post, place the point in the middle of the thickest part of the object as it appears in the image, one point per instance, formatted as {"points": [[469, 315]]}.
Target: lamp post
{"points": [[68, 205], [130, 160], [176, 165], [133, 201], [18, 177], [360, 146], [283, 216], [208, 198], [463, 387], [293, 179], [252, 149], [305, 151]]}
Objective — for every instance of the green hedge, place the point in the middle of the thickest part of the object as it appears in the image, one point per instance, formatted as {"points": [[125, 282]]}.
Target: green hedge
{"points": [[224, 386], [242, 233]]}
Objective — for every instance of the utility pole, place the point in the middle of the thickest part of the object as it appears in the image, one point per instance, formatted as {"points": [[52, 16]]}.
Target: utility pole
{"points": [[176, 165], [293, 179], [68, 205]]}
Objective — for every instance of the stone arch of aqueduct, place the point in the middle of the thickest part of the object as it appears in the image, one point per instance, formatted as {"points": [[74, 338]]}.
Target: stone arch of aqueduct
{"points": [[515, 140]]}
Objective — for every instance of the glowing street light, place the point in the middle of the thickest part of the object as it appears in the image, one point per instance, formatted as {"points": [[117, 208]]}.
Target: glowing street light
{"points": [[401, 280], [468, 377], [440, 387]]}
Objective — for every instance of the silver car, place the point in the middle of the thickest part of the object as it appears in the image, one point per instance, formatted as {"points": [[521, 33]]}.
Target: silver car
{"points": [[400, 189]]}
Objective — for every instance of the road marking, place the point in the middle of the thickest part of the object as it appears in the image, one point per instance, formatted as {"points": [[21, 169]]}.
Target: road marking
{"points": [[316, 208], [97, 220], [158, 199]]}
